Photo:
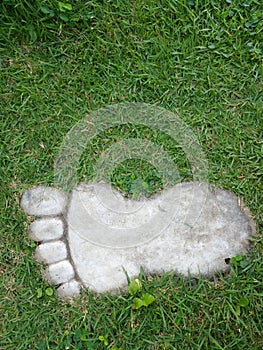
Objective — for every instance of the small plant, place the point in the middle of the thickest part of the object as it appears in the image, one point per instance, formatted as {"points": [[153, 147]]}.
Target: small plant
{"points": [[39, 293], [47, 291], [62, 10], [239, 263], [104, 339], [240, 302], [236, 260], [135, 286], [145, 299]]}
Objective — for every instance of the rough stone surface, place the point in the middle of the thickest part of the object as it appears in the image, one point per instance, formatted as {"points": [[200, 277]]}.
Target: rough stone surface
{"points": [[46, 229], [42, 201], [51, 252], [187, 229], [60, 272], [69, 289]]}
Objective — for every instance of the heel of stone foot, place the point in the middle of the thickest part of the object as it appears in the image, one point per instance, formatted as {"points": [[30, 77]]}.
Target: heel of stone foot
{"points": [[49, 204]]}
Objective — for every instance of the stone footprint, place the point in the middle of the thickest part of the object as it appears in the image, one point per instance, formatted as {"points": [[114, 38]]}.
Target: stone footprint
{"points": [[93, 237]]}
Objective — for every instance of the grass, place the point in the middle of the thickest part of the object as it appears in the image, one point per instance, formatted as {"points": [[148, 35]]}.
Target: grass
{"points": [[203, 59]]}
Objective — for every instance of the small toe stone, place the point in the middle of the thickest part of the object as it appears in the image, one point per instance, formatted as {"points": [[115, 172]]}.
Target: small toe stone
{"points": [[46, 229], [69, 289], [51, 252], [60, 272], [43, 201]]}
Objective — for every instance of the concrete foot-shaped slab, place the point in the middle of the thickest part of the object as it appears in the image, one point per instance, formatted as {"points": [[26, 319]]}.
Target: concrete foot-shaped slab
{"points": [[94, 236]]}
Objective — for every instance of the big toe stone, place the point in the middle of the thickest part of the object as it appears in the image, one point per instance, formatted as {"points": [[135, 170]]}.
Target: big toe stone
{"points": [[43, 201]]}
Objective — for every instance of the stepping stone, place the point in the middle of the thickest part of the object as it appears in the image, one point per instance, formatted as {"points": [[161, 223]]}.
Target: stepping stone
{"points": [[42, 201], [187, 228], [102, 236], [60, 272], [69, 289], [46, 229], [51, 252]]}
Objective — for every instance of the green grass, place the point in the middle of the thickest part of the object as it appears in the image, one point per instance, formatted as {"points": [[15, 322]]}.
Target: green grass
{"points": [[202, 58]]}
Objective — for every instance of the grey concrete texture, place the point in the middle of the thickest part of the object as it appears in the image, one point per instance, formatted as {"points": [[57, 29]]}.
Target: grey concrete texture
{"points": [[60, 272], [42, 201], [190, 228], [46, 229], [51, 252], [69, 289]]}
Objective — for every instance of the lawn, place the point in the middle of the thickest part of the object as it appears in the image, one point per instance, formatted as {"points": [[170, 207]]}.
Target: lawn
{"points": [[58, 63]]}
